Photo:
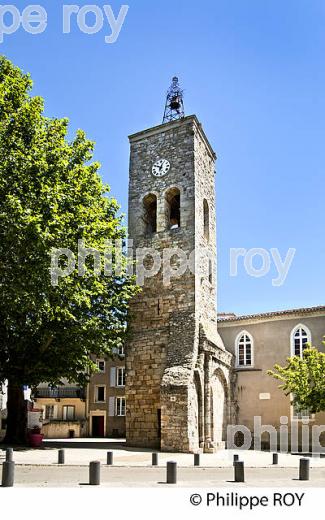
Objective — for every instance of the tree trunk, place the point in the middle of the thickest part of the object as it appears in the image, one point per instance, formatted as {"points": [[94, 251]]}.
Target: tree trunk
{"points": [[16, 432]]}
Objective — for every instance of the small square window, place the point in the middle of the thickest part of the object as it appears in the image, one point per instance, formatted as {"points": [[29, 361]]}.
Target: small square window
{"points": [[100, 394], [101, 365]]}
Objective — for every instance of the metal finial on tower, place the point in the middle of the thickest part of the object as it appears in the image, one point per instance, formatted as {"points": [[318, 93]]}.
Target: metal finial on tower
{"points": [[174, 108]]}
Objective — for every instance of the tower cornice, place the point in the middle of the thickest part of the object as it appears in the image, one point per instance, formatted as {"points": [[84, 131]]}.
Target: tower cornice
{"points": [[138, 136]]}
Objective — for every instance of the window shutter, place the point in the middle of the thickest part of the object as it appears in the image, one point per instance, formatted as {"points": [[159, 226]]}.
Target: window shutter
{"points": [[113, 376], [111, 407], [55, 412]]}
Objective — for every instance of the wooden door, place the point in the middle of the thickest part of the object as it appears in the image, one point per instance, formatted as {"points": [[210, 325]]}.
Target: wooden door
{"points": [[98, 426]]}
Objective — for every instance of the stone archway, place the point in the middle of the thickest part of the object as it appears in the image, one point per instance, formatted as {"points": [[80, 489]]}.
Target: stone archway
{"points": [[219, 408], [200, 408]]}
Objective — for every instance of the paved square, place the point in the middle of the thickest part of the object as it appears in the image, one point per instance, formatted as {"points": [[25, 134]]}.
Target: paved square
{"points": [[132, 467]]}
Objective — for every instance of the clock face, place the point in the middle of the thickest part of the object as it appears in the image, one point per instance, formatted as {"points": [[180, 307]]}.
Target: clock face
{"points": [[161, 168]]}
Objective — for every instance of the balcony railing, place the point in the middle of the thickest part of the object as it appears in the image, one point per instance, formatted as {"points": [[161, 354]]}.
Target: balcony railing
{"points": [[63, 392]]}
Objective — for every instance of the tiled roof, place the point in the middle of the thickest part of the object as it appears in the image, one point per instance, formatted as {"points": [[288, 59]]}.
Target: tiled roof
{"points": [[290, 312]]}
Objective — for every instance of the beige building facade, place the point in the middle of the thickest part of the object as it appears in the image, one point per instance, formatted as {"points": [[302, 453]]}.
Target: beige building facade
{"points": [[258, 342], [95, 411], [63, 411]]}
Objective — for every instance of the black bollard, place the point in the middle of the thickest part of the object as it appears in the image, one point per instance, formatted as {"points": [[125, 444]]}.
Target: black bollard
{"points": [[171, 472], [239, 471], [8, 474], [236, 459], [155, 459], [196, 459], [304, 469], [109, 458], [94, 473], [9, 455], [275, 459], [61, 457]]}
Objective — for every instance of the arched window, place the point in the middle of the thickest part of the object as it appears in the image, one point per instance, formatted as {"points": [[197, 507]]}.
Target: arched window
{"points": [[206, 220], [244, 350], [173, 208], [150, 213], [300, 336]]}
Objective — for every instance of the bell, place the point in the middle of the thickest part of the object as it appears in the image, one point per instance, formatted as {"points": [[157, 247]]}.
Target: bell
{"points": [[175, 103]]}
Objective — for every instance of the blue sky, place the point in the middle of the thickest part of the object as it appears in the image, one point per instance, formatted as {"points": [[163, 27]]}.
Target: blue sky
{"points": [[254, 74]]}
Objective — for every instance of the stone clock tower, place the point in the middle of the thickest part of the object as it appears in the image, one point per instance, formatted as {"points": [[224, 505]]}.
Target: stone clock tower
{"points": [[178, 392]]}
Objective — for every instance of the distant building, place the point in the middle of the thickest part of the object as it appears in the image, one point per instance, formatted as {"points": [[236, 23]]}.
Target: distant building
{"points": [[64, 410], [106, 397], [98, 410], [258, 342]]}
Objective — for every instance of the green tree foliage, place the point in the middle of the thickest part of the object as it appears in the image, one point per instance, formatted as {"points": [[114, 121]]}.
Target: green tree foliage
{"points": [[304, 378], [51, 196]]}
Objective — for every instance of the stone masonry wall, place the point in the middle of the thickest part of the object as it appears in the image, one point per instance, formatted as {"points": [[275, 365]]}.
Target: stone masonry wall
{"points": [[162, 352]]}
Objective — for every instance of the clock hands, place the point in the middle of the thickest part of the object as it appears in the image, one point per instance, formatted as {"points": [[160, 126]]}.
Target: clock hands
{"points": [[160, 168]]}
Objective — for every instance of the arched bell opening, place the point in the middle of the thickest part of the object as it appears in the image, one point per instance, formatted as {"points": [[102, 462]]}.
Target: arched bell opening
{"points": [[150, 214], [173, 208]]}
